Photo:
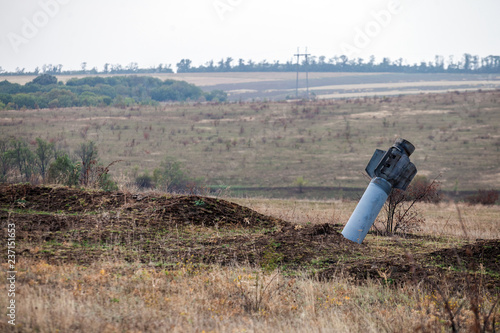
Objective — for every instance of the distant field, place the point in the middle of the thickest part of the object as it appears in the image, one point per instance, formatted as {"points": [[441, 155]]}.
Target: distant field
{"points": [[269, 144], [279, 86]]}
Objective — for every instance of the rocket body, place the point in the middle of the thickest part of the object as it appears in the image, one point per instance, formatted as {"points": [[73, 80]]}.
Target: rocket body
{"points": [[367, 210]]}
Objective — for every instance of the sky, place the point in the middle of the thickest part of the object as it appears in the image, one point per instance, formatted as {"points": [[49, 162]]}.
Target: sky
{"points": [[152, 32]]}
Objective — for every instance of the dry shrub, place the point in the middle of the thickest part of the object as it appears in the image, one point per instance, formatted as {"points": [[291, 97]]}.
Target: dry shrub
{"points": [[483, 197], [402, 216]]}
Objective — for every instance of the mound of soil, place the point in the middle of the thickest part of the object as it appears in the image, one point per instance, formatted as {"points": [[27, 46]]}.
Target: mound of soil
{"points": [[171, 209], [60, 224]]}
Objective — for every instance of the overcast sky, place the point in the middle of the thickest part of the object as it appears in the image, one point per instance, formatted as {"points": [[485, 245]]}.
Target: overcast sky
{"points": [[150, 32]]}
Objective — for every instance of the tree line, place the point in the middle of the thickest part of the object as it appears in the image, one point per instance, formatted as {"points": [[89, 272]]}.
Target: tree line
{"points": [[45, 91], [40, 161], [468, 63], [132, 68]]}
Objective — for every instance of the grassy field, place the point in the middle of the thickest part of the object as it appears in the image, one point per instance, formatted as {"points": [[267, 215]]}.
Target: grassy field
{"points": [[263, 145], [90, 261]]}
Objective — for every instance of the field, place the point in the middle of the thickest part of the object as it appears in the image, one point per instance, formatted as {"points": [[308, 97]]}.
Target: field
{"points": [[262, 148], [279, 86], [253, 251], [92, 261]]}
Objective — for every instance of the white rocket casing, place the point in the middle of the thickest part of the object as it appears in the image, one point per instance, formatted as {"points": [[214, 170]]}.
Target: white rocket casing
{"points": [[367, 210]]}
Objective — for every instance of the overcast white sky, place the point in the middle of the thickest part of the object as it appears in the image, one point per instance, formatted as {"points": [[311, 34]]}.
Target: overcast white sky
{"points": [[150, 32]]}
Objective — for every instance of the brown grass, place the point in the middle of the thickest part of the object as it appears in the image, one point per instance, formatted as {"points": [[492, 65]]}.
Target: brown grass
{"points": [[113, 296], [262, 145], [443, 219]]}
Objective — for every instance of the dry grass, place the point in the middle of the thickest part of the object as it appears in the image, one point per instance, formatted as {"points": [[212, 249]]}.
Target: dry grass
{"points": [[444, 219], [113, 295], [263, 145], [124, 297]]}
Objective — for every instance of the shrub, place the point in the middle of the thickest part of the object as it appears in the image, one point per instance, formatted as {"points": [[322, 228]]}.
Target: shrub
{"points": [[421, 190], [483, 197], [144, 181], [171, 177], [92, 173], [64, 171], [45, 79], [24, 100], [400, 206]]}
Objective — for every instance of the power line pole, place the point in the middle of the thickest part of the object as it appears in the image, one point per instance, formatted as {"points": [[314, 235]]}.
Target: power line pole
{"points": [[307, 73], [298, 55]]}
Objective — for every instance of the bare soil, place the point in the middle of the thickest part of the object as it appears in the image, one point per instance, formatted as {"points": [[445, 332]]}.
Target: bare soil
{"points": [[59, 224]]}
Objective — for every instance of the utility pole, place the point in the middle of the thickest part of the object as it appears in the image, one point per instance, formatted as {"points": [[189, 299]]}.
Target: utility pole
{"points": [[298, 55], [307, 73]]}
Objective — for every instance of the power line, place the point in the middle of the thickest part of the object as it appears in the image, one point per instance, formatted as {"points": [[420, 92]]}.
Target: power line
{"points": [[298, 55]]}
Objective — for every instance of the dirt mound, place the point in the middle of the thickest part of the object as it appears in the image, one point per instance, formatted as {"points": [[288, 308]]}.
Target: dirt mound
{"points": [[64, 199], [60, 224], [204, 211], [171, 209], [82, 225]]}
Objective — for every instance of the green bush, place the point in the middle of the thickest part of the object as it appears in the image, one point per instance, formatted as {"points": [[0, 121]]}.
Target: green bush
{"points": [[64, 171], [144, 181], [216, 96], [171, 177], [45, 79], [24, 100]]}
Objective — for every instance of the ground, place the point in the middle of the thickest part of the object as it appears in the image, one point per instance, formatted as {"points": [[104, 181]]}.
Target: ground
{"points": [[65, 225]]}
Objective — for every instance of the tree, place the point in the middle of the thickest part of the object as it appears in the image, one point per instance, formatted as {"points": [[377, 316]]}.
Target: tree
{"points": [[63, 171], [45, 79], [5, 160], [44, 153], [88, 154], [227, 63], [92, 172], [24, 100], [216, 95], [22, 158], [183, 66], [300, 182]]}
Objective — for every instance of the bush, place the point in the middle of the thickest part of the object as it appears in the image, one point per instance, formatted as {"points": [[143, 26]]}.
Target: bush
{"points": [[92, 173], [171, 177], [24, 100], [5, 98], [144, 181], [45, 79], [483, 197], [64, 171], [422, 189], [400, 206], [216, 96]]}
